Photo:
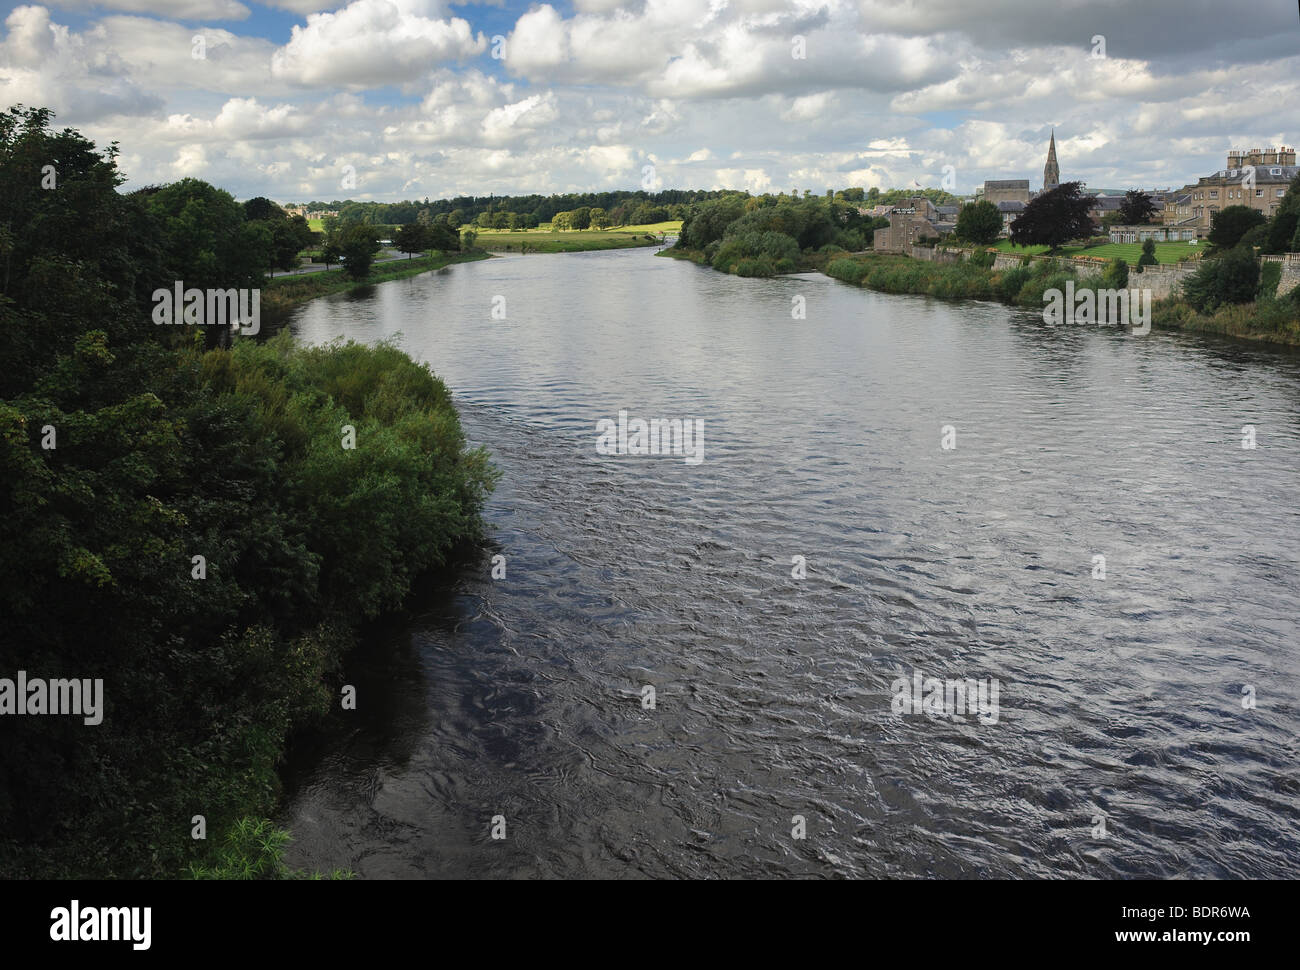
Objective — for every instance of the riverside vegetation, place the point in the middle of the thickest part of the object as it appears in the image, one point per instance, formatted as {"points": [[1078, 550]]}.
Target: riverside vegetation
{"points": [[127, 450], [1231, 293]]}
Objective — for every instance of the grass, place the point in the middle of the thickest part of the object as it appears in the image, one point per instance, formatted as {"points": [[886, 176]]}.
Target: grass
{"points": [[544, 239], [283, 292], [1166, 252]]}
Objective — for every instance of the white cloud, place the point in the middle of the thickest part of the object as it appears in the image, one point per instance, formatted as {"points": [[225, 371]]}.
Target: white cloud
{"points": [[370, 43]]}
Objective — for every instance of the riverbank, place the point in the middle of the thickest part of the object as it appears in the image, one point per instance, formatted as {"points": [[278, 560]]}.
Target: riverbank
{"points": [[1269, 320], [283, 292]]}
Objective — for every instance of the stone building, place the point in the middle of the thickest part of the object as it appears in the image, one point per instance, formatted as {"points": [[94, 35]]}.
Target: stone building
{"points": [[1258, 179], [909, 223], [1006, 190]]}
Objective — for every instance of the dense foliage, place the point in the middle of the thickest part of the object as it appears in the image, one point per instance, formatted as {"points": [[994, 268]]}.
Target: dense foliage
{"points": [[766, 235], [127, 450], [979, 223], [1054, 217]]}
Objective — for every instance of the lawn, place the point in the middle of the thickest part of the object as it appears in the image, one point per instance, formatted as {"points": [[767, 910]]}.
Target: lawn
{"points": [[546, 240], [1166, 252]]}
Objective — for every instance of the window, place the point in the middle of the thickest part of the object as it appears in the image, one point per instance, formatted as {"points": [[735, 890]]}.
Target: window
{"points": [[1274, 171], [1258, 193], [1214, 194], [1281, 192]]}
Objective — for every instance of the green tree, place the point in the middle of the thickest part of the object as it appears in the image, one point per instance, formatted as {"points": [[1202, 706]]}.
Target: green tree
{"points": [[261, 208], [1137, 208], [979, 223], [1148, 257], [412, 238], [1227, 226], [1285, 223], [1054, 218], [1232, 277], [357, 247]]}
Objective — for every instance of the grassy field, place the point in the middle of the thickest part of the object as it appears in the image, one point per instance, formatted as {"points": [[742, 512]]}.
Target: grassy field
{"points": [[546, 240], [1166, 252]]}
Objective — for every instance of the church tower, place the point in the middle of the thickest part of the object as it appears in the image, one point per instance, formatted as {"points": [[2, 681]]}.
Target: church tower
{"points": [[1051, 171]]}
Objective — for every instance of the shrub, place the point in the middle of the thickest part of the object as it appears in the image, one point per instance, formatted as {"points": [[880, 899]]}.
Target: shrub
{"points": [[1011, 282], [982, 258], [848, 270], [1232, 277], [1115, 276]]}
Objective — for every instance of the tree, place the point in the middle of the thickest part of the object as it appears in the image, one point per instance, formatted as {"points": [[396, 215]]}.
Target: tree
{"points": [[442, 236], [261, 208], [1054, 218], [357, 248], [581, 218], [979, 223], [1232, 277], [467, 239], [1137, 208], [1228, 225], [599, 218], [289, 237], [412, 238], [1115, 276], [1285, 223], [1148, 257], [205, 238]]}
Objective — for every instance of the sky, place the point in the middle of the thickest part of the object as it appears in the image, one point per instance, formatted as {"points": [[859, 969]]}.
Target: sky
{"points": [[303, 100]]}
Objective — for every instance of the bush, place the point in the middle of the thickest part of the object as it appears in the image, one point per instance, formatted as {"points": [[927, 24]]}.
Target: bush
{"points": [[1232, 277], [848, 270], [1115, 276], [1011, 282], [982, 258]]}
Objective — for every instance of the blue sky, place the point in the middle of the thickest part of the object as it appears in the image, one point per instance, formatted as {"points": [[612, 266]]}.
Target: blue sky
{"points": [[287, 98]]}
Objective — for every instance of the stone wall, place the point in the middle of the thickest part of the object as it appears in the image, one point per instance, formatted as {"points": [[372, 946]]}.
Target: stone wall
{"points": [[1290, 271], [1161, 279]]}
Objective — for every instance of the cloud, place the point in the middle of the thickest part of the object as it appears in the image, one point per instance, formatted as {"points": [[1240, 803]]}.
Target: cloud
{"points": [[370, 43], [45, 64]]}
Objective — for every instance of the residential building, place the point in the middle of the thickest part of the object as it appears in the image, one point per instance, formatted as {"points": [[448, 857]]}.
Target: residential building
{"points": [[1258, 179]]}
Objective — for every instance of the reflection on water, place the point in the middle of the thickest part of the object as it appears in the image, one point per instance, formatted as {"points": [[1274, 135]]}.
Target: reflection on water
{"points": [[1121, 699]]}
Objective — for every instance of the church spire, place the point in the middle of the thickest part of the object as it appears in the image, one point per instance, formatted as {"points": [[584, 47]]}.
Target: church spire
{"points": [[1051, 171]]}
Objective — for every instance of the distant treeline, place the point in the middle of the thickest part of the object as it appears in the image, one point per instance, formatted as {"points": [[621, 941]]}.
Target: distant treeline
{"points": [[623, 207]]}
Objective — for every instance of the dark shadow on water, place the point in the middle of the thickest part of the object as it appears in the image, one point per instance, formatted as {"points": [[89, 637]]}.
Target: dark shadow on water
{"points": [[385, 668]]}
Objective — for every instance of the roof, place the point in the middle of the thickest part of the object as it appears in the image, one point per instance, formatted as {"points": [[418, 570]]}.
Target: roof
{"points": [[1005, 184], [948, 210], [1263, 173], [1107, 203], [1014, 205]]}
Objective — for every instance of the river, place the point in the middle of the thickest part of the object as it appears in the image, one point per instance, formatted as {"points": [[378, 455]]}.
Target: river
{"points": [[1147, 724]]}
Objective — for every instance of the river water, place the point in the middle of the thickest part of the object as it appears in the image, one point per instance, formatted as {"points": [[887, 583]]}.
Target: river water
{"points": [[1146, 723]]}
